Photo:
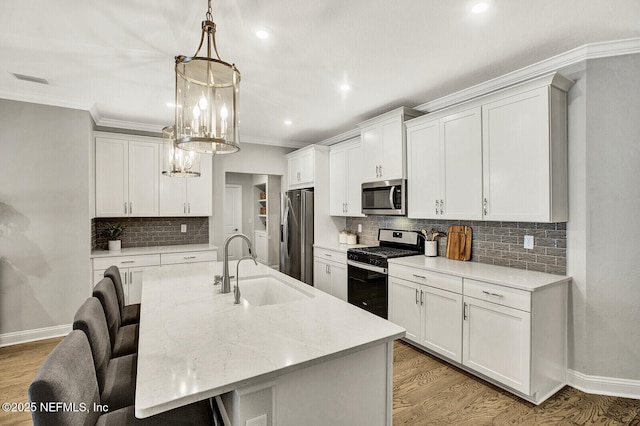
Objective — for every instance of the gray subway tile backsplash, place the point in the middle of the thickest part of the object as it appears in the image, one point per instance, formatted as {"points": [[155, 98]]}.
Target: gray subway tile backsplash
{"points": [[152, 231], [494, 243]]}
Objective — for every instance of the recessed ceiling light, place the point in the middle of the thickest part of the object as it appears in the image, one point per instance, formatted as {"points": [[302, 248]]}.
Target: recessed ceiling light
{"points": [[480, 7], [262, 34], [288, 122], [345, 87]]}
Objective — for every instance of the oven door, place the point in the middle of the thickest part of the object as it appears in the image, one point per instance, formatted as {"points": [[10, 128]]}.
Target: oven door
{"points": [[368, 288]]}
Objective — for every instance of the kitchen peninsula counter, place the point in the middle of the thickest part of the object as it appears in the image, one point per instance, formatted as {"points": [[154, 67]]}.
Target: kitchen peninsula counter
{"points": [[319, 355], [135, 251]]}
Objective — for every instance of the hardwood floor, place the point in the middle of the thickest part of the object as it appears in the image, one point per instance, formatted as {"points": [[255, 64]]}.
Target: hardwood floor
{"points": [[18, 366], [426, 391]]}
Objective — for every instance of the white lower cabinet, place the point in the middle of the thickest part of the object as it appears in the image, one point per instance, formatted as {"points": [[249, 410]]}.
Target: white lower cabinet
{"points": [[512, 337], [261, 244], [132, 268], [497, 342], [431, 316], [330, 272]]}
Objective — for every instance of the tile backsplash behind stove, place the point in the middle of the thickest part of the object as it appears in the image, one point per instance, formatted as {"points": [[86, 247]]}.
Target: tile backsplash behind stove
{"points": [[494, 243], [152, 231]]}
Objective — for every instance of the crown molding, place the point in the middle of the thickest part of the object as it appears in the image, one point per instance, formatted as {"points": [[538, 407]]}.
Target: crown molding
{"points": [[46, 100], [264, 141], [546, 66], [354, 133]]}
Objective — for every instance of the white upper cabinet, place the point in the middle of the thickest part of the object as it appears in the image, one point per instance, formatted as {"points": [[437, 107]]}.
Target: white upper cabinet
{"points": [[345, 177], [444, 158], [301, 168], [127, 176], [499, 157], [525, 155], [384, 142], [188, 196]]}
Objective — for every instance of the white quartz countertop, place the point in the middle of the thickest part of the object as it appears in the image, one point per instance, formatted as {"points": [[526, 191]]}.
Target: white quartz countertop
{"points": [[195, 343], [133, 251], [509, 277], [337, 246]]}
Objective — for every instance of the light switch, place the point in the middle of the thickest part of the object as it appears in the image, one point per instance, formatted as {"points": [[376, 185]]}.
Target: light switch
{"points": [[528, 242], [183, 228]]}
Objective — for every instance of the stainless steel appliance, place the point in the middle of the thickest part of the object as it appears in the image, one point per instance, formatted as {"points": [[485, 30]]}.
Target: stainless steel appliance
{"points": [[386, 197], [368, 286], [296, 234]]}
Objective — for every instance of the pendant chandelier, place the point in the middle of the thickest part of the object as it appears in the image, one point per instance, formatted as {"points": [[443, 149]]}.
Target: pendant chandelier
{"points": [[207, 92], [177, 162]]}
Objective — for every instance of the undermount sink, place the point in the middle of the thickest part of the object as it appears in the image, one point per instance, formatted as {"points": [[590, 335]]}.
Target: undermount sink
{"points": [[262, 291]]}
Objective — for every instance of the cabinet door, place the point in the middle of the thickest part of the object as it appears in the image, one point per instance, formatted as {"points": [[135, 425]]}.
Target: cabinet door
{"points": [[321, 276], [516, 181], [393, 149], [133, 292], [423, 163], [442, 322], [497, 342], [261, 246], [371, 144], [461, 156], [144, 174], [172, 198], [307, 167], [112, 177], [337, 182], [338, 274], [200, 189], [404, 306], [354, 180]]}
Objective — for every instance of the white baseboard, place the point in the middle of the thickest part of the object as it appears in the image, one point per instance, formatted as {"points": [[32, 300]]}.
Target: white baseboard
{"points": [[624, 388], [17, 337]]}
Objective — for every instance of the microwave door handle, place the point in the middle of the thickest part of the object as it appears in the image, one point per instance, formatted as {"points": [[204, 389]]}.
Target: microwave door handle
{"points": [[391, 205]]}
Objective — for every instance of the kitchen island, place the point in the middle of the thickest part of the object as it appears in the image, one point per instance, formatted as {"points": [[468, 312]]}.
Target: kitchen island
{"points": [[309, 359]]}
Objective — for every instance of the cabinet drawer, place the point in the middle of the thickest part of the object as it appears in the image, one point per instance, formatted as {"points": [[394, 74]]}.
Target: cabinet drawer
{"points": [[501, 295], [126, 261], [433, 279], [335, 256], [188, 257]]}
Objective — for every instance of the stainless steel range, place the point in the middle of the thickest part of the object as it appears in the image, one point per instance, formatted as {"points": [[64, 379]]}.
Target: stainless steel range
{"points": [[368, 286]]}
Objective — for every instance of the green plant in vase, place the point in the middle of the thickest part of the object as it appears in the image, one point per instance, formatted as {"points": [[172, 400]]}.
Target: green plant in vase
{"points": [[113, 232]]}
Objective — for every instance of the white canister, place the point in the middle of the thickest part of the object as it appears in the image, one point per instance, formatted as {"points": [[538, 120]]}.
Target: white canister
{"points": [[431, 248], [342, 237], [115, 245], [352, 239]]}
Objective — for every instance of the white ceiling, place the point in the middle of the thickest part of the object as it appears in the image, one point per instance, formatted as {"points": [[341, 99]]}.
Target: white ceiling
{"points": [[116, 58]]}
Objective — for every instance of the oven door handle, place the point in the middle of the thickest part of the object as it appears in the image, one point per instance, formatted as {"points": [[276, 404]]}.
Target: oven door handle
{"points": [[372, 268]]}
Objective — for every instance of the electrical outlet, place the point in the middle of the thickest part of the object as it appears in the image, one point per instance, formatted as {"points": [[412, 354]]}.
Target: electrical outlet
{"points": [[359, 227], [528, 242], [257, 421], [183, 228]]}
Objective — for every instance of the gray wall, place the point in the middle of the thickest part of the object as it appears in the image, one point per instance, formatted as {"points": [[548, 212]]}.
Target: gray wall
{"points": [[44, 215], [604, 223]]}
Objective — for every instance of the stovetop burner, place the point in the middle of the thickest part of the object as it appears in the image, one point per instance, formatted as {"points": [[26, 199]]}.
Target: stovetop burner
{"points": [[384, 252]]}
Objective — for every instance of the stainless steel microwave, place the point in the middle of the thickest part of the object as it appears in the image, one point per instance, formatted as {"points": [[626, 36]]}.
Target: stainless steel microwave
{"points": [[387, 197]]}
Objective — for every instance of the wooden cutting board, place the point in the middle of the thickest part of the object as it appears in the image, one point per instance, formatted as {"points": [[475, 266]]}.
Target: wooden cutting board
{"points": [[459, 242]]}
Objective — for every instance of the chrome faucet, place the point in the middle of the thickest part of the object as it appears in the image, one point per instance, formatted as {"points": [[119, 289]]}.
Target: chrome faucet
{"points": [[226, 279], [236, 289]]}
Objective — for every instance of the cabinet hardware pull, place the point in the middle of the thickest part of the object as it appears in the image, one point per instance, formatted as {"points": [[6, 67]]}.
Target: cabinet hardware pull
{"points": [[437, 203], [189, 208], [441, 207], [492, 294], [484, 206], [380, 170], [421, 294], [125, 207], [184, 208], [419, 276], [327, 254], [125, 278], [465, 315], [329, 268], [128, 261], [130, 277], [130, 207], [416, 296], [189, 257]]}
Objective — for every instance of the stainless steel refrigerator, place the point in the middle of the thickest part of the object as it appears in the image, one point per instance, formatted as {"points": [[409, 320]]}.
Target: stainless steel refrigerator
{"points": [[296, 234]]}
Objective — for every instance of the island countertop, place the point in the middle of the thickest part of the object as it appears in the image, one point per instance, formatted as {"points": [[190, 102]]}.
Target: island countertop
{"points": [[195, 343]]}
